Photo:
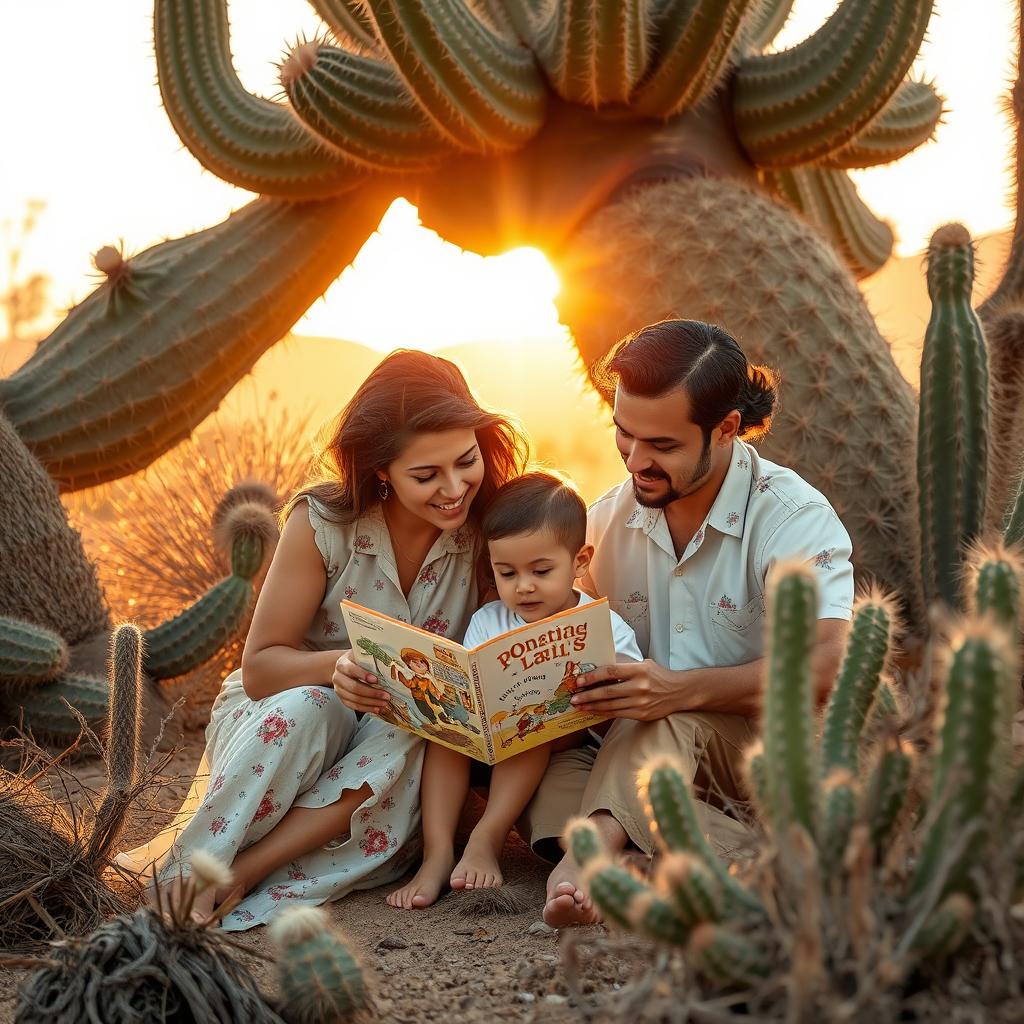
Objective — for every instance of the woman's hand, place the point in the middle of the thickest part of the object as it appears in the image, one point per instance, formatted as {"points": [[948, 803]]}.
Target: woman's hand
{"points": [[356, 688]]}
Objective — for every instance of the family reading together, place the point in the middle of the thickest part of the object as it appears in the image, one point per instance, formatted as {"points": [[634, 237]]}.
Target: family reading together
{"points": [[425, 514]]}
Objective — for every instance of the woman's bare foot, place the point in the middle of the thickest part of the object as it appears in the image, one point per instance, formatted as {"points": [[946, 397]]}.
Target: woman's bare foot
{"points": [[425, 886], [478, 867], [567, 904]]}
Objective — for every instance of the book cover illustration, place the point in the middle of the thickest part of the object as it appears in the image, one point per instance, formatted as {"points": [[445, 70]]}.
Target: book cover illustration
{"points": [[505, 696]]}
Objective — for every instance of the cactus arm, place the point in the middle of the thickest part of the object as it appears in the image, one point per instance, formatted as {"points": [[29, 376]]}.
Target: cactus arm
{"points": [[906, 122], [829, 200], [593, 52], [805, 103], [44, 709], [613, 889], [953, 424], [996, 586], [765, 23], [673, 815], [30, 653], [347, 19], [970, 779], [887, 791], [695, 42], [360, 108], [653, 916], [583, 841], [1004, 335], [725, 955], [855, 686], [145, 358], [945, 929], [247, 140], [123, 732], [789, 748], [691, 887], [480, 88], [839, 811]]}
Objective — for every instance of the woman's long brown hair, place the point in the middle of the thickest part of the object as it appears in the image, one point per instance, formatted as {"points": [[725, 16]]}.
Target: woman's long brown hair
{"points": [[408, 393]]}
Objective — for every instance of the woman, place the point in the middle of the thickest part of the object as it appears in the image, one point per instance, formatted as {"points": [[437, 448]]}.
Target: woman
{"points": [[304, 801]]}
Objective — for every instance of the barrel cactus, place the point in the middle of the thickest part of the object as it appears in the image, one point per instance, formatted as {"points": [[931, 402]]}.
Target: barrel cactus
{"points": [[877, 865]]}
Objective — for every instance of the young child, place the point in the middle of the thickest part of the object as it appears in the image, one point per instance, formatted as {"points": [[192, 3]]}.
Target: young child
{"points": [[535, 529]]}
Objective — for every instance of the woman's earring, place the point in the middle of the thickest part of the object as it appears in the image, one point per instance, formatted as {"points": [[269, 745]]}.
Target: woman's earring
{"points": [[382, 490]]}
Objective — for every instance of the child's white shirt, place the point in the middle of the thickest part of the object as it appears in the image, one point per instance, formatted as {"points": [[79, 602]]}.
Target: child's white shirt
{"points": [[496, 618]]}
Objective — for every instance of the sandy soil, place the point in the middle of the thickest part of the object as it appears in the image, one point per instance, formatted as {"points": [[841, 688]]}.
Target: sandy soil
{"points": [[441, 963]]}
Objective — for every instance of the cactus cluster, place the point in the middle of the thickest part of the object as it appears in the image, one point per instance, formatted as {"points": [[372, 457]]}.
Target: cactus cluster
{"points": [[832, 812], [39, 683]]}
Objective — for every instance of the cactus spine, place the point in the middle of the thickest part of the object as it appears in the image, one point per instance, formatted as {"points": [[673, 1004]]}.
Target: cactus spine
{"points": [[726, 955], [1014, 534], [996, 588], [583, 841], [30, 653], [789, 751], [954, 416]]}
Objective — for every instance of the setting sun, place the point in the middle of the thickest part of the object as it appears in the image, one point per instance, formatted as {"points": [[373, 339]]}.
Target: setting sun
{"points": [[410, 288]]}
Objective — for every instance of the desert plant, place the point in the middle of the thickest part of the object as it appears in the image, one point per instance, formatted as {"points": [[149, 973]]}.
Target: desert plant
{"points": [[51, 860], [855, 894]]}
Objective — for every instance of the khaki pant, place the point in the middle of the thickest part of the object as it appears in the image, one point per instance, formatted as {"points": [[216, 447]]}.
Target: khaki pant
{"points": [[580, 781]]}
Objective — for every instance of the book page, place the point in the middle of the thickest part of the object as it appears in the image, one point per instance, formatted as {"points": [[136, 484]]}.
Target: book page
{"points": [[426, 677], [528, 676]]}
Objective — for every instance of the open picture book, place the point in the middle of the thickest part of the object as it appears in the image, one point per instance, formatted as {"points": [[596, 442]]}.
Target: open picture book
{"points": [[505, 696]]}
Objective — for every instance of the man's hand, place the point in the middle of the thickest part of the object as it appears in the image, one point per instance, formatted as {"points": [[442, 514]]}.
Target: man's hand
{"points": [[356, 687], [641, 690]]}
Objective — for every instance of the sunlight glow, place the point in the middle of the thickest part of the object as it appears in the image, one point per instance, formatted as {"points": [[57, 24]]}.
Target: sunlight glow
{"points": [[409, 288]]}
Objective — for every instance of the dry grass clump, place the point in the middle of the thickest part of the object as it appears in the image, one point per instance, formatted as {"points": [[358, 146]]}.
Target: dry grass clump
{"points": [[158, 537]]}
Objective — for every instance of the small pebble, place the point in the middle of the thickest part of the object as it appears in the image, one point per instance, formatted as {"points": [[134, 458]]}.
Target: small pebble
{"points": [[527, 997], [540, 928], [555, 999], [391, 942]]}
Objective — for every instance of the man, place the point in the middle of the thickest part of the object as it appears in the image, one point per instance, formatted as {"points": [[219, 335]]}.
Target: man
{"points": [[683, 550]]}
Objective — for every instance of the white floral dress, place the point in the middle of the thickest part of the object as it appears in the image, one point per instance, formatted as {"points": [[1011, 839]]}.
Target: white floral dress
{"points": [[303, 747]]}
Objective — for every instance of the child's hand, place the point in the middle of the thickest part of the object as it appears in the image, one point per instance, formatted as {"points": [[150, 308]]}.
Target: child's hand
{"points": [[356, 688]]}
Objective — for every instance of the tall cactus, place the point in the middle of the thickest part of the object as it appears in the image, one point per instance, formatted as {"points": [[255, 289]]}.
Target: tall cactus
{"points": [[952, 460]]}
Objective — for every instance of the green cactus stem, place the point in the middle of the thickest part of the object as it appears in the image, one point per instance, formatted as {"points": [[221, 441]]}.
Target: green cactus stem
{"points": [[613, 888], [655, 917], [583, 841], [765, 23], [124, 728], [137, 365], [995, 585], [319, 977], [945, 929], [685, 880], [907, 121], [186, 641], [347, 19], [250, 141], [970, 780], [46, 713], [695, 42], [829, 200], [1004, 337], [858, 679], [803, 104], [724, 955], [29, 653], [886, 792], [480, 88], [789, 747], [839, 812], [757, 784], [358, 107], [952, 452], [673, 816]]}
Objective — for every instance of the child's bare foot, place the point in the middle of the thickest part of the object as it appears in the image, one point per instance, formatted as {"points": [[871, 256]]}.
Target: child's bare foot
{"points": [[567, 904], [425, 886], [478, 867]]}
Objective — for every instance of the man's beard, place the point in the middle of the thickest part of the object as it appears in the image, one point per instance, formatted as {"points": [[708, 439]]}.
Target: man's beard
{"points": [[701, 470]]}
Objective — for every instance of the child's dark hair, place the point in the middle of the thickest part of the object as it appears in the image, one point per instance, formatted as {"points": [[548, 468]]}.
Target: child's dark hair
{"points": [[537, 501]]}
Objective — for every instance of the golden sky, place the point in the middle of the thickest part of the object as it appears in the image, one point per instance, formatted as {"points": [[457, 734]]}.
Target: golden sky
{"points": [[83, 129]]}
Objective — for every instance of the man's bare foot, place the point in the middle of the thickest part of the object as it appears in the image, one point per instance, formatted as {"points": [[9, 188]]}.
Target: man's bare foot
{"points": [[567, 904], [478, 868], [425, 886]]}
